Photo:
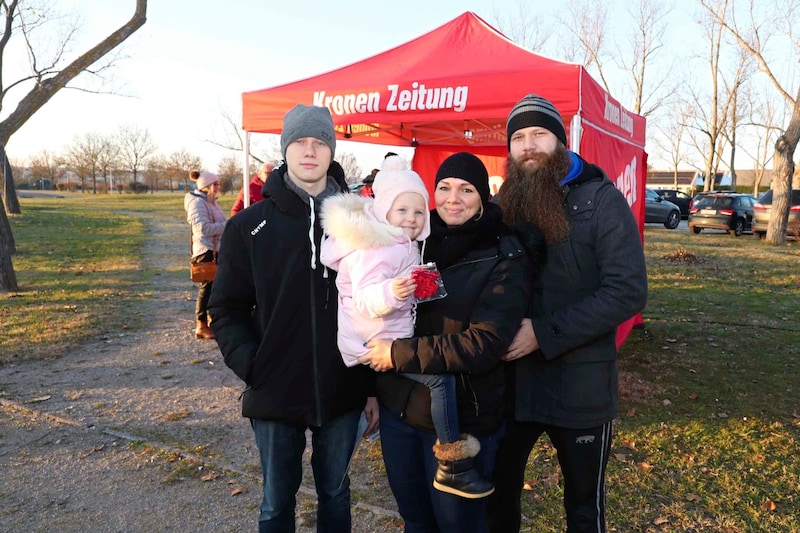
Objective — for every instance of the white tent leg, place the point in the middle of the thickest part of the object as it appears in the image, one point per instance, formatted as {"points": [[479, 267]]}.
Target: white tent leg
{"points": [[246, 170], [575, 133]]}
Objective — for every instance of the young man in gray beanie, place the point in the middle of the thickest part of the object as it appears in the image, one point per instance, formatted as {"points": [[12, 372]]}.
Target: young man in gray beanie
{"points": [[562, 364], [274, 312]]}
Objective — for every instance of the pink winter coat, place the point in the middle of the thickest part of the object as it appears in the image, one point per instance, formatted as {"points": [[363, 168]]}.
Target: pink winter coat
{"points": [[367, 255]]}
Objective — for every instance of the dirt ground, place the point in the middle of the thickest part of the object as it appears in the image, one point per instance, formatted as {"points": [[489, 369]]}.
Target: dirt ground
{"points": [[139, 430]]}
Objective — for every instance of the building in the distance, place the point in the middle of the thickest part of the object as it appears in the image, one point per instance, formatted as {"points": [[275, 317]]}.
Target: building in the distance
{"points": [[690, 181]]}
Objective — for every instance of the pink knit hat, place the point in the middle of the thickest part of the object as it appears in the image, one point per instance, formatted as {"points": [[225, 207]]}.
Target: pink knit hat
{"points": [[206, 179], [393, 180]]}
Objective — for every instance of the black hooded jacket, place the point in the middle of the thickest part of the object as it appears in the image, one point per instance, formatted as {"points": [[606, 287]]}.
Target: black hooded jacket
{"points": [[590, 283], [465, 333], [273, 311]]}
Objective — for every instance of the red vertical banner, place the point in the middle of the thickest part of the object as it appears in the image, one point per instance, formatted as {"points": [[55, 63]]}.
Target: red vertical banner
{"points": [[626, 165]]}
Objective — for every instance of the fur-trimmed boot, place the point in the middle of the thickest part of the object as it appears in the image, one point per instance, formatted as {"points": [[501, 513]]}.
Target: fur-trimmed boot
{"points": [[202, 331], [456, 474]]}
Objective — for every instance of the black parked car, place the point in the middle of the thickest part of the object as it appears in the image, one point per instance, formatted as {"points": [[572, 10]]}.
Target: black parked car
{"points": [[732, 212], [679, 198], [658, 210], [763, 208]]}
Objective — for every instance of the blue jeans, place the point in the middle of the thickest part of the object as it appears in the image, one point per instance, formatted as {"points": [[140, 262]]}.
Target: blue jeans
{"points": [[410, 467], [444, 410], [280, 447]]}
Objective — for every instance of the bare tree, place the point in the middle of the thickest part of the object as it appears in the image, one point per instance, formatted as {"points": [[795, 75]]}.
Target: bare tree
{"points": [[48, 77], [178, 166], [763, 21], [229, 169], [637, 56], [711, 110], [155, 172], [262, 149], [736, 111], [136, 146], [350, 166], [525, 26], [46, 165], [109, 159], [672, 139], [84, 157], [586, 21], [763, 122]]}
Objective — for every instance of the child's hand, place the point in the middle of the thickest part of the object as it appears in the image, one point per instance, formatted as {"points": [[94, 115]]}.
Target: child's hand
{"points": [[402, 288]]}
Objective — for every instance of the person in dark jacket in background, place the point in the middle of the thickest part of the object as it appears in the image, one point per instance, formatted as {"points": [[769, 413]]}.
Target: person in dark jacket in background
{"points": [[274, 317], [366, 189], [563, 361], [486, 274]]}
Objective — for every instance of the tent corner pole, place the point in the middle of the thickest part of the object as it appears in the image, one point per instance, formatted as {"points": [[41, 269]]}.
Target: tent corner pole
{"points": [[575, 133], [246, 169]]}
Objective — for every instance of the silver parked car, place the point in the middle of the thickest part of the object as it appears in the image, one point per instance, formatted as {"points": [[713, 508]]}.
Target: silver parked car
{"points": [[661, 211], [763, 208]]}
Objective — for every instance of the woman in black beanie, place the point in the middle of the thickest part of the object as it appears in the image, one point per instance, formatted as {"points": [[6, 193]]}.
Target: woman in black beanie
{"points": [[486, 274]]}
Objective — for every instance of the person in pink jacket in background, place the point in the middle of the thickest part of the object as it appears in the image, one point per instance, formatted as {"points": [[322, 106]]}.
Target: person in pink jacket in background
{"points": [[373, 245]]}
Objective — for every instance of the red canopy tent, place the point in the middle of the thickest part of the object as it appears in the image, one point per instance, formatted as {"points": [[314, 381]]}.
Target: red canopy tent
{"points": [[451, 90]]}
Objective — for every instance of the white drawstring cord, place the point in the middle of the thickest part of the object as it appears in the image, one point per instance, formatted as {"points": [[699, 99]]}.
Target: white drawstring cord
{"points": [[311, 235]]}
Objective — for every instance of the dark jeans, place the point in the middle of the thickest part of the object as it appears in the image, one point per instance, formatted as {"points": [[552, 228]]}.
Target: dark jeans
{"points": [[582, 455], [204, 293], [201, 305], [444, 410], [410, 467], [280, 447]]}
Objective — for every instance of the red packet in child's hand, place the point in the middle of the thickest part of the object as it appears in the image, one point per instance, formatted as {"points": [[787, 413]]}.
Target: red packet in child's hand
{"points": [[429, 283]]}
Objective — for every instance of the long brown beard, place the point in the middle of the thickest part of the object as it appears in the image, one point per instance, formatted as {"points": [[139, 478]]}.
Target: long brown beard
{"points": [[533, 195]]}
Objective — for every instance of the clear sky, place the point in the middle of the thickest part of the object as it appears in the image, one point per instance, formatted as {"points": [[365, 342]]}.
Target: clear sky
{"points": [[190, 62]]}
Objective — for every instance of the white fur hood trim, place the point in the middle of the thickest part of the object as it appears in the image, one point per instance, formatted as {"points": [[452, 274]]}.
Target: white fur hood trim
{"points": [[350, 219]]}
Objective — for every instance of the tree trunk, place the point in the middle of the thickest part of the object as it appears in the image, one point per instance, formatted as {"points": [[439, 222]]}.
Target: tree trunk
{"points": [[7, 238], [782, 178], [8, 278], [12, 202]]}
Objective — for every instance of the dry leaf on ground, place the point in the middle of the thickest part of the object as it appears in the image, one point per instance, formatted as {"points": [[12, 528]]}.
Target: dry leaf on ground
{"points": [[769, 505]]}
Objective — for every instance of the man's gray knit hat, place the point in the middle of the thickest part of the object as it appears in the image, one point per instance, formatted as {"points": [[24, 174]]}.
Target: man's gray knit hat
{"points": [[308, 121], [533, 110]]}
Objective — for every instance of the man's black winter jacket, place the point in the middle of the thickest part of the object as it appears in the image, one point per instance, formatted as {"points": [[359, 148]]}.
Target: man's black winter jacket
{"points": [[273, 312]]}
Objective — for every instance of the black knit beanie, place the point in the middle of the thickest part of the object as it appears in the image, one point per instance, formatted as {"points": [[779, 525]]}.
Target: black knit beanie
{"points": [[465, 166], [533, 110]]}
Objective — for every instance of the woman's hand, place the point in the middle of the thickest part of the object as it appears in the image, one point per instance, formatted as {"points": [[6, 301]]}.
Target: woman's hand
{"points": [[524, 342], [379, 357], [402, 288], [373, 416]]}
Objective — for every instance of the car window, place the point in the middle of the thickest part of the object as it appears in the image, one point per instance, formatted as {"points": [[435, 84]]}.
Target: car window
{"points": [[715, 202], [766, 198]]}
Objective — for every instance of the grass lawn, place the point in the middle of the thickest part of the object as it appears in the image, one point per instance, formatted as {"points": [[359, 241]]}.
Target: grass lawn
{"points": [[79, 269], [709, 425]]}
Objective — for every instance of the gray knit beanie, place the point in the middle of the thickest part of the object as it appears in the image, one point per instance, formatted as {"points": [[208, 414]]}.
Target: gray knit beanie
{"points": [[533, 110], [308, 121]]}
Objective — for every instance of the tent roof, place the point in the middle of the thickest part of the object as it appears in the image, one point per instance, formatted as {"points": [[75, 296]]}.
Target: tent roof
{"points": [[451, 86]]}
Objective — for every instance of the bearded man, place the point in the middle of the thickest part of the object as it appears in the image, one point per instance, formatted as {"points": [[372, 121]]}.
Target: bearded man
{"points": [[562, 366]]}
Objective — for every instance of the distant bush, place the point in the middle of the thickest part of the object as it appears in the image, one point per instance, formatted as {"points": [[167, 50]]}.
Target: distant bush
{"points": [[137, 188]]}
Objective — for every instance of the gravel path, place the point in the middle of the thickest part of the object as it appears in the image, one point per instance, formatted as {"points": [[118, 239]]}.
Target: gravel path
{"points": [[139, 430]]}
